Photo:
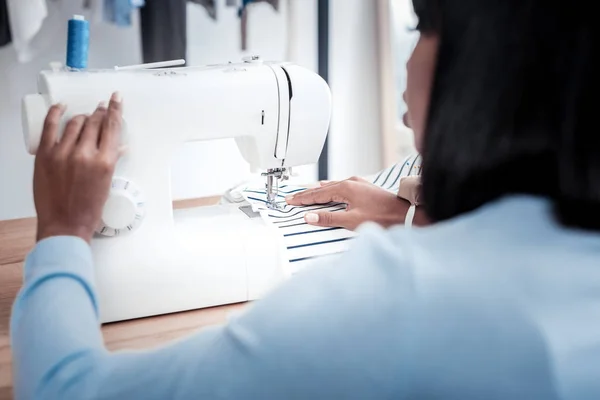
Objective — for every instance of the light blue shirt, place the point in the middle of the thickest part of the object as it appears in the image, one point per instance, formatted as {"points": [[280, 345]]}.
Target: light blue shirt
{"points": [[501, 303]]}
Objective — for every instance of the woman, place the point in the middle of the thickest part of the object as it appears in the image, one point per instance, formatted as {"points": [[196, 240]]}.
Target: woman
{"points": [[497, 300]]}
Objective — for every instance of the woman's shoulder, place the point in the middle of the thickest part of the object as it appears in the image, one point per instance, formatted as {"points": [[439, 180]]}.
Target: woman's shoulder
{"points": [[488, 230]]}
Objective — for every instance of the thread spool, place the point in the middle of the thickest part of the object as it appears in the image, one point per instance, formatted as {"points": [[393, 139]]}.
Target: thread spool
{"points": [[78, 42]]}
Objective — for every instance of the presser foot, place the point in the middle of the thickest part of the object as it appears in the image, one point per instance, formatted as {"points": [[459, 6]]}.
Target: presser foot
{"points": [[273, 205], [272, 187]]}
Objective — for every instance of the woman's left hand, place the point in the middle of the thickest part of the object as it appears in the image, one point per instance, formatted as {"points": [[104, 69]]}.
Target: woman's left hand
{"points": [[365, 202]]}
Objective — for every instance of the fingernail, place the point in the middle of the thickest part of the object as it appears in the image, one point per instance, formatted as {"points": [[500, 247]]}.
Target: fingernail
{"points": [[311, 218], [61, 106], [289, 198], [116, 97], [102, 104]]}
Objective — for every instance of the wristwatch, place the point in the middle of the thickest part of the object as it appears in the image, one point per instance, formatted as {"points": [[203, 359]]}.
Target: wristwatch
{"points": [[409, 190]]}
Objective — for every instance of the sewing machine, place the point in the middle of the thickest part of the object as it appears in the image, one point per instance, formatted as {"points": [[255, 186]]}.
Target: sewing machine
{"points": [[150, 259]]}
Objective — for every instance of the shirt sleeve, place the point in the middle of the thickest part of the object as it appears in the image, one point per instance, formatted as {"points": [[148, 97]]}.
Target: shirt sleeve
{"points": [[318, 335]]}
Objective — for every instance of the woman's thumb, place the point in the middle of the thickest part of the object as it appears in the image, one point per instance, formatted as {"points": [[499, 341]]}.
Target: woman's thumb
{"points": [[340, 219]]}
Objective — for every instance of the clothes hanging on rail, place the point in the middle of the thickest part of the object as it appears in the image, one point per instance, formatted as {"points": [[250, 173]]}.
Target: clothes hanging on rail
{"points": [[246, 3], [243, 14], [5, 37], [209, 5], [164, 30], [26, 18], [119, 12], [96, 8], [164, 26]]}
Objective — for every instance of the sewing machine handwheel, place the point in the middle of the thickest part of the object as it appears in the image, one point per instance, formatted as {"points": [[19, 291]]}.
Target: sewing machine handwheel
{"points": [[124, 210]]}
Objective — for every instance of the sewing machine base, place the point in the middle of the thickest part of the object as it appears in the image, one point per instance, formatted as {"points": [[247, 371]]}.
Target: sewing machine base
{"points": [[210, 256]]}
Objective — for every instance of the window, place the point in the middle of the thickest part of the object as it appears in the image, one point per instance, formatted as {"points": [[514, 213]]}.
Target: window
{"points": [[404, 38], [397, 38]]}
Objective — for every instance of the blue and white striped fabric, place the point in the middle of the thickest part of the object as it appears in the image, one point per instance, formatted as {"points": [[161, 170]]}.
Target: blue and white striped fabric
{"points": [[305, 243], [389, 178]]}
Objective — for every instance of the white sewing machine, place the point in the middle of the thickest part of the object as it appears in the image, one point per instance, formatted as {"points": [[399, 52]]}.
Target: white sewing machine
{"points": [[150, 259]]}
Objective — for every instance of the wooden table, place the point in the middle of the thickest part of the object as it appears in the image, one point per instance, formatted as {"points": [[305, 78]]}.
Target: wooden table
{"points": [[17, 238]]}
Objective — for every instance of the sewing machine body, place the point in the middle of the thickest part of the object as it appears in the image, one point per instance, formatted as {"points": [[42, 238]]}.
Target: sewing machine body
{"points": [[149, 259], [208, 256]]}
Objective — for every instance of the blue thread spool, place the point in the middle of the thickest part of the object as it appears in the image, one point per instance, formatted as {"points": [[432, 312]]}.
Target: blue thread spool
{"points": [[78, 42]]}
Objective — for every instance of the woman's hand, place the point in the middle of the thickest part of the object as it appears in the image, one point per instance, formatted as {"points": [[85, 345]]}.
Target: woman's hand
{"points": [[365, 202], [73, 175]]}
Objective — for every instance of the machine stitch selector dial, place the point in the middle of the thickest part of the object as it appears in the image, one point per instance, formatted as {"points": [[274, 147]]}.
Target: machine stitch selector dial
{"points": [[124, 210]]}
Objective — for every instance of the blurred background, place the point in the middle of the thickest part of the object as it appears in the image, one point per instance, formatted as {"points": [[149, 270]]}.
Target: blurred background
{"points": [[361, 46]]}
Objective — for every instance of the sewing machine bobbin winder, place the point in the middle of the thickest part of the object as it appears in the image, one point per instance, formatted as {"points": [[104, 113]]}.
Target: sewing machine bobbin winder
{"points": [[149, 258]]}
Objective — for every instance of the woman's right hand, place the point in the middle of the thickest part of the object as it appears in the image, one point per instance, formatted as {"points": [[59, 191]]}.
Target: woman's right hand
{"points": [[73, 174], [365, 201]]}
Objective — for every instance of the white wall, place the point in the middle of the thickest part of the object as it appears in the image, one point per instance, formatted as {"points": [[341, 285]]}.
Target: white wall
{"points": [[195, 167], [354, 139]]}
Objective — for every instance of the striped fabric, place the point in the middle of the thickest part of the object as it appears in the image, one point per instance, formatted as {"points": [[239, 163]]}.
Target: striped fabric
{"points": [[304, 242]]}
